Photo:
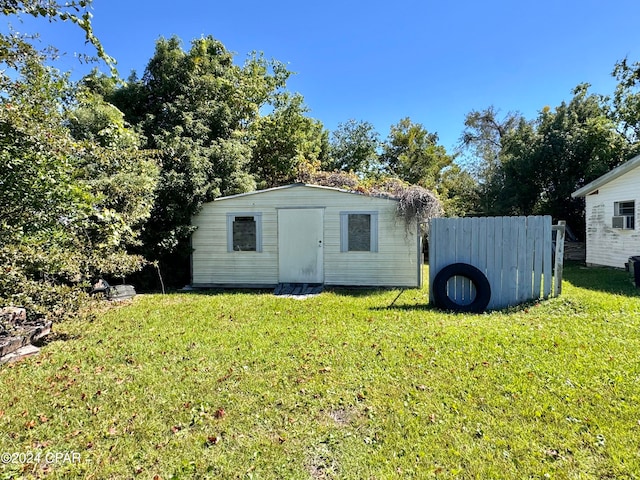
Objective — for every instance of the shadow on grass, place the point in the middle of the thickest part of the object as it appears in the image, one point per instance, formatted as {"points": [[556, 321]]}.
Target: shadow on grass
{"points": [[360, 291], [427, 307], [221, 291], [430, 308], [346, 291], [602, 279], [409, 308], [422, 305], [54, 337]]}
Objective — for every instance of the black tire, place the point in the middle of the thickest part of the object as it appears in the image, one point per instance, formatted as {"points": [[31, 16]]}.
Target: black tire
{"points": [[479, 280]]}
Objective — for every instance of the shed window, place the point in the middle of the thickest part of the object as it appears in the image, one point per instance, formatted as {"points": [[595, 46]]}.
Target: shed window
{"points": [[624, 215], [244, 232], [359, 231]]}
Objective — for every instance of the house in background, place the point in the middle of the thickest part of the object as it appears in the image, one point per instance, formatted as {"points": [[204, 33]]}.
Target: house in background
{"points": [[304, 234], [612, 209]]}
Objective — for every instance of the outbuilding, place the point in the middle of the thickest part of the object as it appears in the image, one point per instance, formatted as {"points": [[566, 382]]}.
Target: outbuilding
{"points": [[612, 204], [304, 234]]}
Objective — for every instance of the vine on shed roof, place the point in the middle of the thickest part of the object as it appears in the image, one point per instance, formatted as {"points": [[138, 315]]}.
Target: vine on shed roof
{"points": [[415, 203]]}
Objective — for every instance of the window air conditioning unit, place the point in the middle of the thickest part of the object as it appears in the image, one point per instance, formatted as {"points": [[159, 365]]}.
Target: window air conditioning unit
{"points": [[622, 221]]}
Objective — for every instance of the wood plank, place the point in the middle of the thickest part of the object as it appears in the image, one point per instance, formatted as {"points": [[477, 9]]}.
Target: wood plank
{"points": [[547, 274], [559, 258], [522, 294], [433, 248], [509, 262], [527, 285], [478, 249], [463, 254], [20, 353], [538, 244], [441, 254], [497, 265], [449, 249]]}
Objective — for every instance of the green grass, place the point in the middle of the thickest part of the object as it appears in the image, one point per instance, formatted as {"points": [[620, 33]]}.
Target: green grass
{"points": [[248, 385]]}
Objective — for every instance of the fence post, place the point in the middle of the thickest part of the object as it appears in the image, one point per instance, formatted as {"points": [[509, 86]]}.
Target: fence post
{"points": [[560, 231]]}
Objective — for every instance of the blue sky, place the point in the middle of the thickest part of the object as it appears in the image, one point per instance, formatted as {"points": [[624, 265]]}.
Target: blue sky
{"points": [[432, 61]]}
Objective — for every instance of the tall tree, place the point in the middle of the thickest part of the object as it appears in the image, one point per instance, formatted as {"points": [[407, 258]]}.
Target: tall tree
{"points": [[286, 142], [121, 178], [15, 47], [412, 154], [625, 105], [481, 144], [578, 143], [540, 163], [353, 147], [68, 206], [458, 192], [194, 108]]}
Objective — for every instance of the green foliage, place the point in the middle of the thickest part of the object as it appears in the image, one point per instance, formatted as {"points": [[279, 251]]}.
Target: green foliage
{"points": [[532, 167], [15, 48], [200, 113], [459, 192], [412, 154], [353, 147], [285, 142], [482, 142], [33, 147], [100, 123], [626, 100], [69, 207]]}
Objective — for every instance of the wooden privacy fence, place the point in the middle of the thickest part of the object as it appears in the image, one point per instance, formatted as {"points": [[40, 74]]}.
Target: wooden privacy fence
{"points": [[514, 253]]}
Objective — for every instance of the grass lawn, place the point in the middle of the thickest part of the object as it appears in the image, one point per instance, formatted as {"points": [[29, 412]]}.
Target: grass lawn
{"points": [[248, 385]]}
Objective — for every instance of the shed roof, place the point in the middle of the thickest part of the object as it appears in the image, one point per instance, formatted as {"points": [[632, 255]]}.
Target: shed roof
{"points": [[607, 177], [294, 185]]}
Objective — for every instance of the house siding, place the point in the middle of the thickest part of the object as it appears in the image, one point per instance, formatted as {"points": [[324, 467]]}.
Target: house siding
{"points": [[396, 263], [606, 245]]}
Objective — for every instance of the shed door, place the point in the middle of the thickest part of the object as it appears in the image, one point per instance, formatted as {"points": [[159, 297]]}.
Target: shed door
{"points": [[300, 245]]}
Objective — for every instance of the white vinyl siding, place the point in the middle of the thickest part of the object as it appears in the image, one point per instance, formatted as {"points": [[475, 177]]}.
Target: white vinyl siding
{"points": [[394, 264], [607, 245]]}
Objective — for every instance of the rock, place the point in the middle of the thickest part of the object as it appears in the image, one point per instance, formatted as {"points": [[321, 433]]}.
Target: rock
{"points": [[22, 352], [17, 335]]}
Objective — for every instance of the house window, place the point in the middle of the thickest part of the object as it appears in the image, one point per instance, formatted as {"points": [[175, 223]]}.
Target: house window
{"points": [[624, 215], [244, 232], [358, 231]]}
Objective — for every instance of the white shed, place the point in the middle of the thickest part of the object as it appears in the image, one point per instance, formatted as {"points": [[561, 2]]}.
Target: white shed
{"points": [[612, 204], [304, 234]]}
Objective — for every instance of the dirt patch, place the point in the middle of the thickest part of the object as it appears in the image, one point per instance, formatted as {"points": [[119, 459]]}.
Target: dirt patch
{"points": [[341, 416], [321, 465]]}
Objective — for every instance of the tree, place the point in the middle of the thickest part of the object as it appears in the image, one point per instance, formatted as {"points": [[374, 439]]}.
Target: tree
{"points": [[412, 154], [73, 187], [285, 142], [578, 142], [625, 105], [34, 147], [458, 191], [120, 177], [69, 207], [534, 166], [14, 47], [481, 144], [195, 109], [353, 147]]}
